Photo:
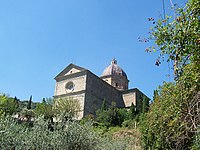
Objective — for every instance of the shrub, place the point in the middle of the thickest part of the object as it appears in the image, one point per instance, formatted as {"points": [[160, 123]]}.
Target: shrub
{"points": [[68, 136]]}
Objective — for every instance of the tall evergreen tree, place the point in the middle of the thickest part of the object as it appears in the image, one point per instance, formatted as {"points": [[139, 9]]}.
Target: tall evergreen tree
{"points": [[132, 111], [29, 103], [145, 104], [155, 94], [104, 106], [44, 100]]}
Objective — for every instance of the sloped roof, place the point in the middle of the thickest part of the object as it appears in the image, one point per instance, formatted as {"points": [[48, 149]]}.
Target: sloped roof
{"points": [[68, 68]]}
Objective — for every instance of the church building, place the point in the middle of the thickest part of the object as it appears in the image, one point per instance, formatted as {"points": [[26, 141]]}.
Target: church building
{"points": [[91, 90]]}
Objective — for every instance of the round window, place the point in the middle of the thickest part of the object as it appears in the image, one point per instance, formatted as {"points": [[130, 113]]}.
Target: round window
{"points": [[69, 86]]}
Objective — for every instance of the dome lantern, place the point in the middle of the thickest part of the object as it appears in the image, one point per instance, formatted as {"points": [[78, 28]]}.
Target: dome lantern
{"points": [[114, 61]]}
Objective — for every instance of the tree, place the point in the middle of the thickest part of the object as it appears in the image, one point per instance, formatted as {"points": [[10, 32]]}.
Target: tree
{"points": [[145, 104], [112, 116], [66, 108], [73, 136], [8, 105], [103, 106], [29, 103], [174, 115], [161, 127], [155, 94], [178, 39], [196, 140], [132, 111], [45, 109]]}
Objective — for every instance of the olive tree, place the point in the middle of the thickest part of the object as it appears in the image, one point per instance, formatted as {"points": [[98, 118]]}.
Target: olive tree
{"points": [[67, 108]]}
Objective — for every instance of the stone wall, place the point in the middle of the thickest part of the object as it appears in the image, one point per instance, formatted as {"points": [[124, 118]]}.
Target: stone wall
{"points": [[129, 98], [79, 84], [91, 91], [108, 79], [78, 92], [135, 96], [96, 91]]}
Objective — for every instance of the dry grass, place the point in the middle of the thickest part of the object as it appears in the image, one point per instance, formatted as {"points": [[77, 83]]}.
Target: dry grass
{"points": [[131, 136]]}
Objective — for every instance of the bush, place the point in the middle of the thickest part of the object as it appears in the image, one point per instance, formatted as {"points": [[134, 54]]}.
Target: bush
{"points": [[131, 124], [112, 117], [68, 136], [65, 136], [196, 142]]}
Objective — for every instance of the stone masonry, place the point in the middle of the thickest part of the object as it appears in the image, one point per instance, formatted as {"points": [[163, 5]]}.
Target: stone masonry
{"points": [[90, 90]]}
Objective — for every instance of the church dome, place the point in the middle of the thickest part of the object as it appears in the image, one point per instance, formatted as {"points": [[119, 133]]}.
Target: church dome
{"points": [[114, 69]]}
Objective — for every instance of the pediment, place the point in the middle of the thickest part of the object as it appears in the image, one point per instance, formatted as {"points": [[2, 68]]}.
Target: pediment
{"points": [[70, 69]]}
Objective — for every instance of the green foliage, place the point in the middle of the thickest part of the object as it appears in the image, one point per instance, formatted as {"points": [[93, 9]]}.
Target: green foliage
{"points": [[142, 105], [66, 108], [173, 119], [27, 114], [123, 115], [88, 118], [23, 104], [103, 106], [130, 124], [68, 136], [179, 39], [122, 138], [196, 141], [132, 112], [145, 104], [8, 105], [113, 116], [29, 103], [72, 136], [155, 94], [174, 115], [45, 109], [161, 126]]}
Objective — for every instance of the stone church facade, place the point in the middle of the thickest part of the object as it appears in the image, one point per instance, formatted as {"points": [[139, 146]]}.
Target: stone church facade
{"points": [[91, 90]]}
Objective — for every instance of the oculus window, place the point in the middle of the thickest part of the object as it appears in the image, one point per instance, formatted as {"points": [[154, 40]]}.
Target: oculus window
{"points": [[69, 86]]}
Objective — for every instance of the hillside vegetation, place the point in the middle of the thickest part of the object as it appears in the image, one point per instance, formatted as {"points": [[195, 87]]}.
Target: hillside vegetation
{"points": [[170, 122]]}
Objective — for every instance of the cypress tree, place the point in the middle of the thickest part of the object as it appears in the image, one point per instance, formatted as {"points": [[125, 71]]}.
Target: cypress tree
{"points": [[145, 104], [29, 103], [132, 111], [103, 106], [44, 101]]}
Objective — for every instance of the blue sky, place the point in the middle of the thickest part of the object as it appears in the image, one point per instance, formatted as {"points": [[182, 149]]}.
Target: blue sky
{"points": [[39, 38]]}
